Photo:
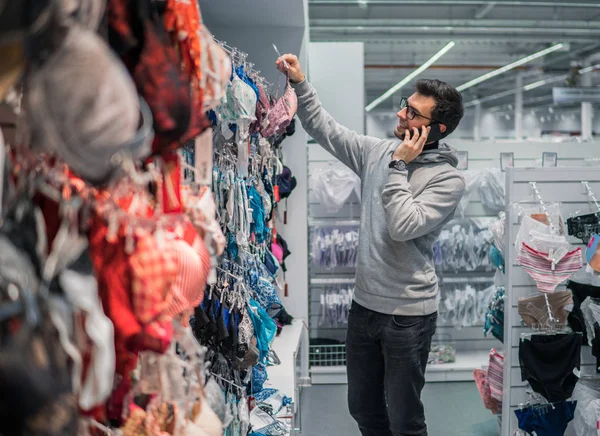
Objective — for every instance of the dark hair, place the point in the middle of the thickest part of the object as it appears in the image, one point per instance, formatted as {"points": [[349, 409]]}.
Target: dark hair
{"points": [[448, 108]]}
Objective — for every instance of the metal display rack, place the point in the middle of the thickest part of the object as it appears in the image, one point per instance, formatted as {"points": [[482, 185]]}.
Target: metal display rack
{"points": [[568, 187]]}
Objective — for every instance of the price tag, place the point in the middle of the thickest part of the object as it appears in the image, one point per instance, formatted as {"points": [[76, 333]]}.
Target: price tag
{"points": [[549, 159], [507, 160], [463, 160], [203, 157]]}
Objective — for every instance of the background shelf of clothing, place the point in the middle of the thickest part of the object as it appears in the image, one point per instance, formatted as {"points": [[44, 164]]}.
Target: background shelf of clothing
{"points": [[327, 355]]}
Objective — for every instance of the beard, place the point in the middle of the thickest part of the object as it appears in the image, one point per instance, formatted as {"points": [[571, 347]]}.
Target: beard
{"points": [[399, 131]]}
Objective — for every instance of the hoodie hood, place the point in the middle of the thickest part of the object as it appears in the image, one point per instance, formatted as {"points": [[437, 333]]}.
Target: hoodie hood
{"points": [[444, 153]]}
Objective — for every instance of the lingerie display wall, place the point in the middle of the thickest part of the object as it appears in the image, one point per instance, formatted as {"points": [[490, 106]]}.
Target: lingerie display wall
{"points": [[560, 320], [141, 265]]}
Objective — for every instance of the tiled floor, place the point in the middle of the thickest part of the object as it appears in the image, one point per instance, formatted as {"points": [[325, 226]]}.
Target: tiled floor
{"points": [[452, 409]]}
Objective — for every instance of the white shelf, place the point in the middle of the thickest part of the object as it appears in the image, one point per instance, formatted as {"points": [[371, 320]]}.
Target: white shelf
{"points": [[461, 370], [282, 377]]}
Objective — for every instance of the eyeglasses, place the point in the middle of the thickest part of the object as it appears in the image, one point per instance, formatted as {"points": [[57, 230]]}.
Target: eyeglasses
{"points": [[411, 113]]}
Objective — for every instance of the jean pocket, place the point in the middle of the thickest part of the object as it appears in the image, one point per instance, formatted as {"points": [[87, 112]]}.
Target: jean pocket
{"points": [[406, 322]]}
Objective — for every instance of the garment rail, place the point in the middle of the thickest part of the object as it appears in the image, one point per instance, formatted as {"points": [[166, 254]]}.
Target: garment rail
{"points": [[229, 382], [240, 56], [591, 194]]}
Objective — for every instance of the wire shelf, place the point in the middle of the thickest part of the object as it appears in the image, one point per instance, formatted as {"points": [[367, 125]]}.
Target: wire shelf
{"points": [[328, 355]]}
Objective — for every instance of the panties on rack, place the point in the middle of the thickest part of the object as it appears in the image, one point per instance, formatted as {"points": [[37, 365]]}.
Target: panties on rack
{"points": [[576, 319], [483, 386], [546, 273], [547, 420], [547, 363], [590, 308], [533, 310]]}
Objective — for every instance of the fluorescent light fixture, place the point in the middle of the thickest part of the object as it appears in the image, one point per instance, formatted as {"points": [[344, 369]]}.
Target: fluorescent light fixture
{"points": [[539, 83], [529, 86], [589, 69], [509, 67], [410, 77]]}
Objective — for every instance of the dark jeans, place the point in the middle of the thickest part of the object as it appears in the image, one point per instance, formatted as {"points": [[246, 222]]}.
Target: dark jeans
{"points": [[386, 360]]}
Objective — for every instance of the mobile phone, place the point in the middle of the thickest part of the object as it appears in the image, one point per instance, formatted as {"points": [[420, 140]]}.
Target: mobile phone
{"points": [[435, 134]]}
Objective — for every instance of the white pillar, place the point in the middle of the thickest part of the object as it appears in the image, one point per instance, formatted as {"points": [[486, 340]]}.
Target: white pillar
{"points": [[586, 111], [519, 108], [477, 124]]}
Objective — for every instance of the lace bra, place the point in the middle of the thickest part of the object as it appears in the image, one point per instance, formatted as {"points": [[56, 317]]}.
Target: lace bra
{"points": [[281, 114]]}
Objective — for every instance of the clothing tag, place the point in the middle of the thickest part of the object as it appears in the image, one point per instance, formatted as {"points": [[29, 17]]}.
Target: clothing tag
{"points": [[242, 163], [203, 157], [507, 160], [171, 184], [549, 159], [463, 160], [569, 307], [576, 372]]}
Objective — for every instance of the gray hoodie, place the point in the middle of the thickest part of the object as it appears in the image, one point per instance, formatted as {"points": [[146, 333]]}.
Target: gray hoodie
{"points": [[402, 212]]}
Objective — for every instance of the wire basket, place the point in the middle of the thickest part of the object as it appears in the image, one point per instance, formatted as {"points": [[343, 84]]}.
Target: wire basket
{"points": [[328, 355], [443, 349]]}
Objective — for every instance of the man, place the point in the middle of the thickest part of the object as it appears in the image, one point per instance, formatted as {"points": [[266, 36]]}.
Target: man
{"points": [[410, 189]]}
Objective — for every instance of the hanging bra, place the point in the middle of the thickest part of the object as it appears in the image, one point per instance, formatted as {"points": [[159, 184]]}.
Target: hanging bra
{"points": [[239, 105], [281, 114], [263, 106]]}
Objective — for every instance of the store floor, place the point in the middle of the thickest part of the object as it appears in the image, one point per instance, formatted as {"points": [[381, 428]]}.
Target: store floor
{"points": [[452, 409]]}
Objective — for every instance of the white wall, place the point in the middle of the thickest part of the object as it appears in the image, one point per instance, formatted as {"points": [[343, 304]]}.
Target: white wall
{"points": [[336, 70], [379, 126]]}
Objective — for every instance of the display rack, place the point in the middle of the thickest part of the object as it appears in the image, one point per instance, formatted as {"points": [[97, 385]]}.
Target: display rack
{"points": [[563, 185], [286, 376]]}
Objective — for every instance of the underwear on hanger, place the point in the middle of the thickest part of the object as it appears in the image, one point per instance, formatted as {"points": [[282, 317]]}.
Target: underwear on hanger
{"points": [[483, 387], [583, 226], [580, 293], [533, 309], [495, 375], [547, 274], [590, 308], [548, 419], [586, 394], [548, 363]]}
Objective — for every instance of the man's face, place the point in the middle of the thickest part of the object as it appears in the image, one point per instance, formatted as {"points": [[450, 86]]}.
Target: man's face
{"points": [[419, 106]]}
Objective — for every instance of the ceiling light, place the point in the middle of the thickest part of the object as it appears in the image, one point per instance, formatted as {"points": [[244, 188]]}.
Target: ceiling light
{"points": [[509, 67], [589, 69], [529, 86], [411, 76], [551, 109], [543, 82]]}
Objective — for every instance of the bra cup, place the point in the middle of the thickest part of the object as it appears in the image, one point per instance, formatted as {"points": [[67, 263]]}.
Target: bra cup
{"points": [[281, 114]]}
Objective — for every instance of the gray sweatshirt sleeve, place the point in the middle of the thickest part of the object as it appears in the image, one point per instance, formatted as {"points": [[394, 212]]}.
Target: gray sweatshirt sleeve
{"points": [[345, 144], [409, 217]]}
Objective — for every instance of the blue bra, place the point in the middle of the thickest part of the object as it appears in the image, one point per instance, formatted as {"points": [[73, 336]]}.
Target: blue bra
{"points": [[265, 329]]}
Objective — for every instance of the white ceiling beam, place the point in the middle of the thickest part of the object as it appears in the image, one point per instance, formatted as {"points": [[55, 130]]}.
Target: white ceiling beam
{"points": [[484, 10], [456, 23], [520, 3]]}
